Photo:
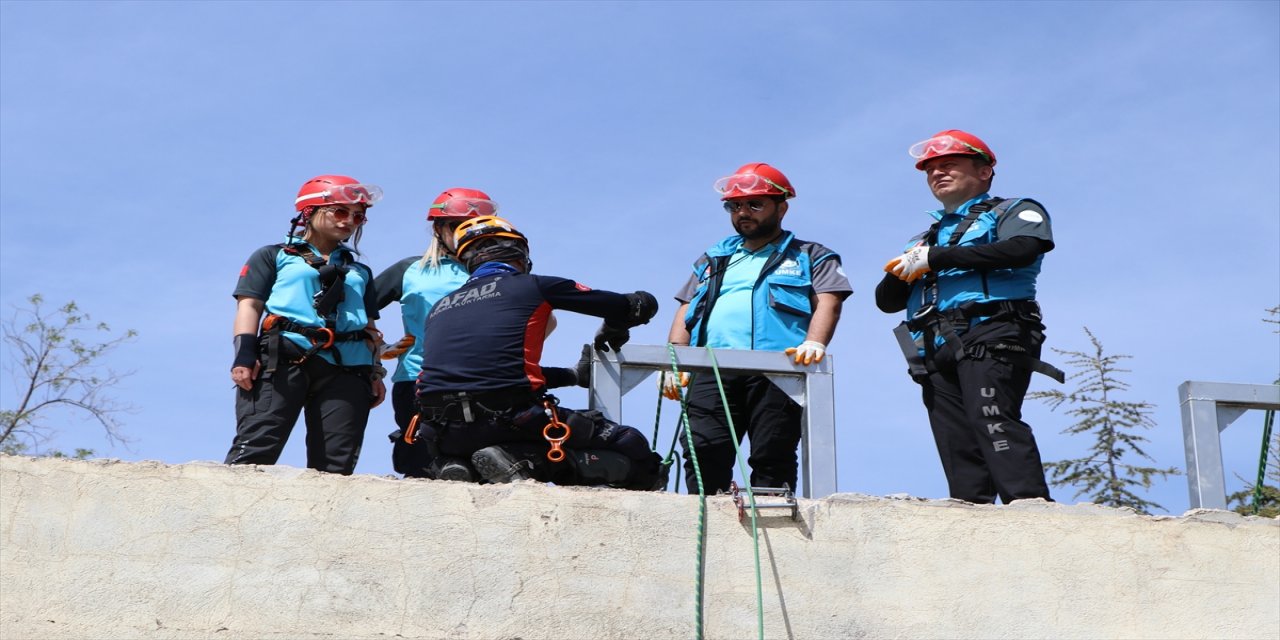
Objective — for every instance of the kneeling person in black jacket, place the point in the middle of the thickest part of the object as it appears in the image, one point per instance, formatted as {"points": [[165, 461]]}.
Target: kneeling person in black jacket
{"points": [[482, 385]]}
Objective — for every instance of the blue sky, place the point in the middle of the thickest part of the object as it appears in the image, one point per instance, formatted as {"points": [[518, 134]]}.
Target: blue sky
{"points": [[147, 148]]}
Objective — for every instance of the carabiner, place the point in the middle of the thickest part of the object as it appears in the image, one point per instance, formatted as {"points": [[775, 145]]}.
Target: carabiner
{"points": [[555, 453], [412, 432], [329, 342]]}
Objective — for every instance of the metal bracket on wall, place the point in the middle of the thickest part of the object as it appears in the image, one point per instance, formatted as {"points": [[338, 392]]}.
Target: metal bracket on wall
{"points": [[1207, 409]]}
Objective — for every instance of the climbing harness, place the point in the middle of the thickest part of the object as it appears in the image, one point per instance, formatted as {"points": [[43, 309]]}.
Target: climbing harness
{"points": [[325, 302], [319, 337], [933, 322]]}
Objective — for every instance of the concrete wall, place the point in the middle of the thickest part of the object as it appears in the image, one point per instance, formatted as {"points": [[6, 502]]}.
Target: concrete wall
{"points": [[106, 549]]}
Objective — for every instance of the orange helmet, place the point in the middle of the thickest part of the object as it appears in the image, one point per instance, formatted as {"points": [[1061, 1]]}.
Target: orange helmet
{"points": [[489, 238], [755, 179], [952, 142]]}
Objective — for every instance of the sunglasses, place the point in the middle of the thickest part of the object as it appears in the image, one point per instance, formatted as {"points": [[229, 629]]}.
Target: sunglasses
{"points": [[733, 206], [341, 215]]}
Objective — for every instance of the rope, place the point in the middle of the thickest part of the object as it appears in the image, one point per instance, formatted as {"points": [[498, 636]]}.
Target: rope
{"points": [[1267, 421], [751, 497], [672, 459], [702, 498]]}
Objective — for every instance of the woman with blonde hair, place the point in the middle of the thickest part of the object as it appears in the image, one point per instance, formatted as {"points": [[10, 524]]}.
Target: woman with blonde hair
{"points": [[417, 283], [305, 335]]}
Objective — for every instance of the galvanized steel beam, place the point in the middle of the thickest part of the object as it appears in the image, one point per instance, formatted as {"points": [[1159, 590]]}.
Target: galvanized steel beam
{"points": [[613, 374], [1207, 409]]}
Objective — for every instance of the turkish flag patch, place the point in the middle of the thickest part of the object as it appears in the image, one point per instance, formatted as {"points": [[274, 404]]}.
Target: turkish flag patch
{"points": [[244, 271]]}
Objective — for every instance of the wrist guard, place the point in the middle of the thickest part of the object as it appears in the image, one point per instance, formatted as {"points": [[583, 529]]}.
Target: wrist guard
{"points": [[246, 347]]}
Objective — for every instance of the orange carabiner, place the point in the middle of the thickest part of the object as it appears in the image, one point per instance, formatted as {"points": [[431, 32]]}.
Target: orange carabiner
{"points": [[328, 343], [555, 453], [412, 430]]}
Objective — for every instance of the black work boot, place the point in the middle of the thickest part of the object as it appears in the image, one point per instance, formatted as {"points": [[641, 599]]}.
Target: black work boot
{"points": [[498, 466], [456, 469]]}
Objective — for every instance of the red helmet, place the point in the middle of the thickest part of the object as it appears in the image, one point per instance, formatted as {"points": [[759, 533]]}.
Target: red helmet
{"points": [[952, 142], [755, 179], [460, 202], [322, 190]]}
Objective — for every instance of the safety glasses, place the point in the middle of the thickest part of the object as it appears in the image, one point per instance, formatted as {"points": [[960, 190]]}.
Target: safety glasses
{"points": [[944, 146], [747, 184], [752, 205], [465, 207]]}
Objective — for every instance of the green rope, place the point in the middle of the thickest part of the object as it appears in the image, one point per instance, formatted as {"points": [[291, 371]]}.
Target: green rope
{"points": [[672, 459], [751, 497], [702, 497], [1267, 421]]}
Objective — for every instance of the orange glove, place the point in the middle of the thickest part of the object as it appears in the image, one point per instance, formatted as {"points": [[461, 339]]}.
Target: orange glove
{"points": [[393, 351], [910, 266], [808, 352], [671, 388]]}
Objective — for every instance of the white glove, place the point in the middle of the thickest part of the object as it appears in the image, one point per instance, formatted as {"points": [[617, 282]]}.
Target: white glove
{"points": [[808, 352], [670, 388], [910, 266]]}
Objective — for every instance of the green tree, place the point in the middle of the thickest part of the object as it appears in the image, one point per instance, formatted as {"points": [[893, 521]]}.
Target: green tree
{"points": [[1105, 474], [53, 365]]}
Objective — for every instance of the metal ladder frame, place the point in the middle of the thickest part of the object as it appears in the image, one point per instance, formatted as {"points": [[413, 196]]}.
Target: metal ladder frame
{"points": [[613, 374]]}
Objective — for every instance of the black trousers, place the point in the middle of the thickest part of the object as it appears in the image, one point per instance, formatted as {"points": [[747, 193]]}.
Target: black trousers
{"points": [[336, 404], [759, 409], [975, 411], [404, 403]]}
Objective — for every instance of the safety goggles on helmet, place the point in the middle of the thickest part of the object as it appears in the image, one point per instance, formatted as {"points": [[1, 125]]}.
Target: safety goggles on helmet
{"points": [[344, 194], [463, 208], [749, 184], [944, 146]]}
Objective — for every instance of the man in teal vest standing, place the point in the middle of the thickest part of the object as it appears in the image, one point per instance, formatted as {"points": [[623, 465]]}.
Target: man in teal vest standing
{"points": [[973, 331], [761, 289]]}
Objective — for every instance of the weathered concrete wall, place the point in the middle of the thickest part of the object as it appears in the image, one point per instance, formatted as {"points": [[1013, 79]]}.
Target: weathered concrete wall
{"points": [[105, 549]]}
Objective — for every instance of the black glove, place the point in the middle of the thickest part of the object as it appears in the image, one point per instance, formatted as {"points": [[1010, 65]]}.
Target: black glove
{"points": [[643, 307], [608, 337], [584, 368]]}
